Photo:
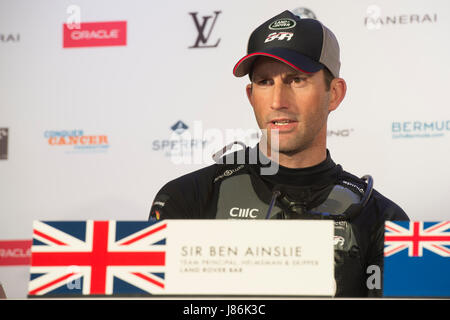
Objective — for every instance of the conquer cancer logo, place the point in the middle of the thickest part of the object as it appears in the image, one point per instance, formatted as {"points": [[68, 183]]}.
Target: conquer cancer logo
{"points": [[76, 139]]}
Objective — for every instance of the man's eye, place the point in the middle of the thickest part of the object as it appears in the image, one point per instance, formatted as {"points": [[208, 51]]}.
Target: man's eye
{"points": [[263, 82], [298, 81]]}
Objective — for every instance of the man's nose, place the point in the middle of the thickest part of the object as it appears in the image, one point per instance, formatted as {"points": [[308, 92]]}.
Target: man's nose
{"points": [[280, 95]]}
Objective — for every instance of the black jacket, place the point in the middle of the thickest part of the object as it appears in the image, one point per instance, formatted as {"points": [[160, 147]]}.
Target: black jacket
{"points": [[219, 190]]}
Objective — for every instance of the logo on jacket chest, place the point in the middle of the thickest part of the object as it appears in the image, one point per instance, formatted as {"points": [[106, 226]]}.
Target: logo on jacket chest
{"points": [[244, 213]]}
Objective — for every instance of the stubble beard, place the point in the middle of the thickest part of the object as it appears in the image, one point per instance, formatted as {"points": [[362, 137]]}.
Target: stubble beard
{"points": [[288, 147]]}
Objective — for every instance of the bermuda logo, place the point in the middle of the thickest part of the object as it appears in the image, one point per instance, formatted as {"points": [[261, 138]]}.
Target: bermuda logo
{"points": [[204, 33], [420, 129], [282, 24]]}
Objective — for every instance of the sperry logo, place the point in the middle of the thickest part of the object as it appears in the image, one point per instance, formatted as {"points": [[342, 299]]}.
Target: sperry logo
{"points": [[244, 213], [204, 33], [179, 127], [279, 36]]}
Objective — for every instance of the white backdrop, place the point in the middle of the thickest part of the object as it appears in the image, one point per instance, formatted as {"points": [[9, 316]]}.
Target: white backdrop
{"points": [[393, 124]]}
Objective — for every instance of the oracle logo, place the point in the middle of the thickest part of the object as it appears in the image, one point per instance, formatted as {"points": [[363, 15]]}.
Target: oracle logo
{"points": [[95, 34], [15, 252], [100, 34]]}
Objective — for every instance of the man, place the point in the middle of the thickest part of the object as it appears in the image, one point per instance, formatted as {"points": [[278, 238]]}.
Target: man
{"points": [[293, 65], [2, 292]]}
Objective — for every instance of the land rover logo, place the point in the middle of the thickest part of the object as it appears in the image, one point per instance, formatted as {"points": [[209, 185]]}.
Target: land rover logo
{"points": [[281, 24]]}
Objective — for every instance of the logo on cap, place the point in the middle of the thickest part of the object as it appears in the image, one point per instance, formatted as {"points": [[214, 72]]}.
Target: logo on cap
{"points": [[280, 36], [282, 24]]}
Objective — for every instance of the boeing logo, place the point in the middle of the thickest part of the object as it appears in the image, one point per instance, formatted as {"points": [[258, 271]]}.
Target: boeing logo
{"points": [[244, 213]]}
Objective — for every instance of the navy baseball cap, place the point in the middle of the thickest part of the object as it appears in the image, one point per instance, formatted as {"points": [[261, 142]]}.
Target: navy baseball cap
{"points": [[304, 44]]}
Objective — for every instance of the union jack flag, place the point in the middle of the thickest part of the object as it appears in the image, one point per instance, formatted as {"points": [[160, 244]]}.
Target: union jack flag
{"points": [[417, 259], [98, 258], [417, 236]]}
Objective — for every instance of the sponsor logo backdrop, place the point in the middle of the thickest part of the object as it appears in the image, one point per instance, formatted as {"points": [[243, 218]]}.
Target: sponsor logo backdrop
{"points": [[102, 103]]}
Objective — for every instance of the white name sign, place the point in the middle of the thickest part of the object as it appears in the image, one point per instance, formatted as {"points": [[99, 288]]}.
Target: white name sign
{"points": [[242, 257]]}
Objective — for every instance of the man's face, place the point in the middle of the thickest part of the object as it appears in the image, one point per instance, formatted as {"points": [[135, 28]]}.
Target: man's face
{"points": [[295, 103]]}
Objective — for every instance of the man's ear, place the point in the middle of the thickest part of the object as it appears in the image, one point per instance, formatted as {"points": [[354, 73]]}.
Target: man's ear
{"points": [[249, 89], [338, 88]]}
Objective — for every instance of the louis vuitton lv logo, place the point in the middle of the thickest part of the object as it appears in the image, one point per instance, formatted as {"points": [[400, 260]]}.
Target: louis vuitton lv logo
{"points": [[203, 37]]}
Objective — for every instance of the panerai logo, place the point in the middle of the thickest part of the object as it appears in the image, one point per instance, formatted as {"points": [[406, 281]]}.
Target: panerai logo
{"points": [[9, 38], [244, 213], [375, 18]]}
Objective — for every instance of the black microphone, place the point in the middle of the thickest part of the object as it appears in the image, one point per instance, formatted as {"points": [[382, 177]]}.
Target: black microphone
{"points": [[275, 194]]}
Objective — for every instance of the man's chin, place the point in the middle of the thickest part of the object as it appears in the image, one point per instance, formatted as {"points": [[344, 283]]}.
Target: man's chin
{"points": [[285, 148], [289, 151]]}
